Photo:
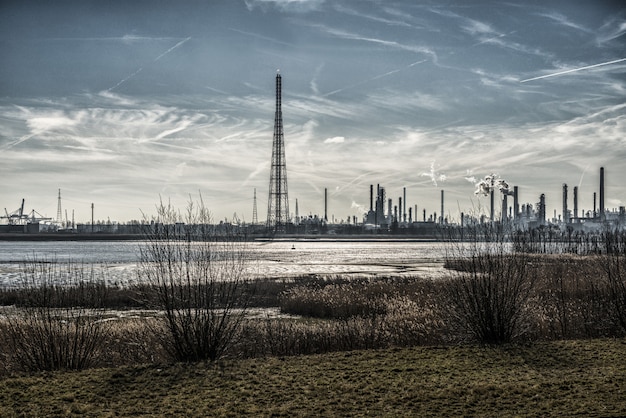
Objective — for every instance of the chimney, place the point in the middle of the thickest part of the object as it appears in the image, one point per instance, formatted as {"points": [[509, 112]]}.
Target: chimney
{"points": [[505, 206], [565, 216], [404, 200], [442, 212], [325, 204], [491, 212], [371, 197], [515, 202], [602, 193], [575, 203]]}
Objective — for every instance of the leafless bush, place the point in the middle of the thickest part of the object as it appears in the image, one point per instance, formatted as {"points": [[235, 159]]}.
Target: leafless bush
{"points": [[48, 332], [489, 290], [613, 264], [197, 272]]}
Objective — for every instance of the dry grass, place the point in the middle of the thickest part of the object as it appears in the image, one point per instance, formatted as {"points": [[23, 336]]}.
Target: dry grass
{"points": [[564, 378]]}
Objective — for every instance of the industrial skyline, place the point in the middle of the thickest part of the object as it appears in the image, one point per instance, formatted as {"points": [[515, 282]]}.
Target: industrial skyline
{"points": [[120, 104]]}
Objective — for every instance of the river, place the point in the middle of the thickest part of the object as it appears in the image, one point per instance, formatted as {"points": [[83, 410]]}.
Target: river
{"points": [[118, 260]]}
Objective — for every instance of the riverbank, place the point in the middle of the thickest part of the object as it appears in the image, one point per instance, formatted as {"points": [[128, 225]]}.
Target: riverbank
{"points": [[54, 236], [560, 378]]}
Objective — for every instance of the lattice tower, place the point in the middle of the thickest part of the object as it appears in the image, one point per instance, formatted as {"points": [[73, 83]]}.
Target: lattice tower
{"points": [[59, 211], [278, 202], [255, 218]]}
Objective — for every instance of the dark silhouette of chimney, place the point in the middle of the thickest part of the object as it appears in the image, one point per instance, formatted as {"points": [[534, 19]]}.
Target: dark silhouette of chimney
{"points": [[601, 192]]}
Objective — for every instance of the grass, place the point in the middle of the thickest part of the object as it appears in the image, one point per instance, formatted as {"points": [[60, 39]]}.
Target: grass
{"points": [[560, 378]]}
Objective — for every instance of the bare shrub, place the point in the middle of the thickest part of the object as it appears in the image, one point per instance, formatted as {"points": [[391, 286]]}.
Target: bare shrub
{"points": [[613, 264], [490, 286], [59, 324], [197, 271]]}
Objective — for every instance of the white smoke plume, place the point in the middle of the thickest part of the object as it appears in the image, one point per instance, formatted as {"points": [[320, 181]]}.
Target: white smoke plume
{"points": [[489, 183], [469, 176]]}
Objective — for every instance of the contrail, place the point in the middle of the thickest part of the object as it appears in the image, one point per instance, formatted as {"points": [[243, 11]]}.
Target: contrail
{"points": [[574, 70], [155, 60], [373, 78]]}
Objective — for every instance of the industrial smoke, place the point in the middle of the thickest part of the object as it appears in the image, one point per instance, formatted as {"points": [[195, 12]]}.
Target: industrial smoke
{"points": [[490, 183]]}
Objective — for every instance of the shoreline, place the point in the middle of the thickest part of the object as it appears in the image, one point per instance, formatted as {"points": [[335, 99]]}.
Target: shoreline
{"points": [[260, 238]]}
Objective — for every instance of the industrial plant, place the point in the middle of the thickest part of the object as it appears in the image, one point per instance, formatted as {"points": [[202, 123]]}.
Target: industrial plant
{"points": [[383, 217]]}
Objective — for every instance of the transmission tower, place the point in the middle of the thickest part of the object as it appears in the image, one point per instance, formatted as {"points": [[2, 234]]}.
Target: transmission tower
{"points": [[59, 212], [278, 202], [255, 218]]}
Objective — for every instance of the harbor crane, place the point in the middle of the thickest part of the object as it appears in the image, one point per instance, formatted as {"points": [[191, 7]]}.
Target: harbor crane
{"points": [[18, 217]]}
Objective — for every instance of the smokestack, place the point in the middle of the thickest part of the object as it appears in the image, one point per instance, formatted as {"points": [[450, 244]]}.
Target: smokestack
{"points": [[491, 213], [371, 197], [404, 208], [515, 203], [576, 204], [602, 193], [442, 212], [326, 204], [505, 206], [400, 209], [565, 215]]}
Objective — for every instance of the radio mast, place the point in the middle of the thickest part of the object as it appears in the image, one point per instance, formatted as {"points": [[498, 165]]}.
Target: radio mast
{"points": [[278, 202]]}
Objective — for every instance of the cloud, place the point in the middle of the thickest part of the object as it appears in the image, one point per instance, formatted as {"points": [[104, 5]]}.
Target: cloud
{"points": [[335, 140], [613, 29], [434, 175], [564, 21]]}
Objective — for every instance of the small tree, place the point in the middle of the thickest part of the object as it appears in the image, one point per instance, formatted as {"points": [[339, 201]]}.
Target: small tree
{"points": [[197, 272], [490, 287]]}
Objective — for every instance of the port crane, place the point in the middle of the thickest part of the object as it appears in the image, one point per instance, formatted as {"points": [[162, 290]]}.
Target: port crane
{"points": [[18, 217]]}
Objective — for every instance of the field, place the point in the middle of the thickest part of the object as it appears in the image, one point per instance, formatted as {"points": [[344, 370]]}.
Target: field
{"points": [[507, 332], [562, 378]]}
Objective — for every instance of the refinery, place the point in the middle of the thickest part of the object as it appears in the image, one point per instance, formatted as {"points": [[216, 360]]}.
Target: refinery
{"points": [[385, 216]]}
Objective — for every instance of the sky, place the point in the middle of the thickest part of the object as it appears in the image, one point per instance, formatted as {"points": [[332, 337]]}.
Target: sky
{"points": [[126, 103]]}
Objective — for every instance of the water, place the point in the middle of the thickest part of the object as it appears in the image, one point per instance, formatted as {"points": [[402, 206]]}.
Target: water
{"points": [[117, 260]]}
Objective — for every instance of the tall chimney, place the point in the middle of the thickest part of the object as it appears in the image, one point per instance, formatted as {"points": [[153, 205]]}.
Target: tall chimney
{"points": [[565, 216], [505, 206], [404, 200], [491, 212], [575, 203], [371, 197], [442, 212], [325, 204], [515, 202], [594, 205], [602, 193]]}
